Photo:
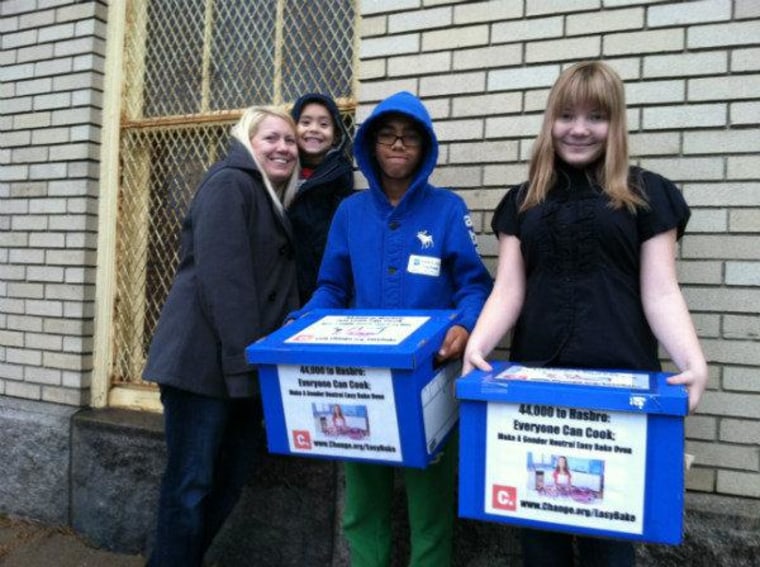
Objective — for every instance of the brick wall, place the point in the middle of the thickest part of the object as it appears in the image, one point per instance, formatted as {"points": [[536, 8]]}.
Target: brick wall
{"points": [[50, 113], [692, 74]]}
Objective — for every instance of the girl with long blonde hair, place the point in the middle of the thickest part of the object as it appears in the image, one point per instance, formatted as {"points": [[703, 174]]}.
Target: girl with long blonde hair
{"points": [[586, 274]]}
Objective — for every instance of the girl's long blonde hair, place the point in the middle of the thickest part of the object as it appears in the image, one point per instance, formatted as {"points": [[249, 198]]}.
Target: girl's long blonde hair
{"points": [[246, 127], [598, 85]]}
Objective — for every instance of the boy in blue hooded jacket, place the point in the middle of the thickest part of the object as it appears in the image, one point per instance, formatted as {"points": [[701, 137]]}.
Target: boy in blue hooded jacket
{"points": [[402, 244]]}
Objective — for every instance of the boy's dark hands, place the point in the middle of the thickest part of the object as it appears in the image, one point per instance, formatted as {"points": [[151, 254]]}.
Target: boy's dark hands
{"points": [[453, 343]]}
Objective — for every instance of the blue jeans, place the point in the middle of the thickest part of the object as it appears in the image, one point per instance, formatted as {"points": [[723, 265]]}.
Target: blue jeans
{"points": [[211, 444], [551, 549]]}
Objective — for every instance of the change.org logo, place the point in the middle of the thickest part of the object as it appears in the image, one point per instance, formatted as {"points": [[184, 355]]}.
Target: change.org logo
{"points": [[504, 497]]}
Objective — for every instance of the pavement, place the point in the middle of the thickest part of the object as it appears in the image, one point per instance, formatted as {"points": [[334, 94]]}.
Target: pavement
{"points": [[31, 544]]}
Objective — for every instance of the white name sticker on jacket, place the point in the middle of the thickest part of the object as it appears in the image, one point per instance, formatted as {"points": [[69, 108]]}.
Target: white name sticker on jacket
{"points": [[424, 265]]}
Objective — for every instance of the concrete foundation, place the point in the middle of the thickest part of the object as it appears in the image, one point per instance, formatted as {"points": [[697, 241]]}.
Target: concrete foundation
{"points": [[719, 530], [99, 472], [36, 446], [117, 459]]}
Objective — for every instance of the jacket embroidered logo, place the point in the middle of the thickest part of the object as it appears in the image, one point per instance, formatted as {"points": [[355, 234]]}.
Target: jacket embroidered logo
{"points": [[426, 240]]}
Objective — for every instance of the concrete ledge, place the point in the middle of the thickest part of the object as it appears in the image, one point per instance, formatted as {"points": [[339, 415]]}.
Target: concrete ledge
{"points": [[107, 464], [285, 517], [34, 469], [118, 457], [719, 530]]}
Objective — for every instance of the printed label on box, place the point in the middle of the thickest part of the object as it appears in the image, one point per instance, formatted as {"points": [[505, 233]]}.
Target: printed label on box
{"points": [[578, 467], [359, 330], [439, 404], [340, 411], [629, 380]]}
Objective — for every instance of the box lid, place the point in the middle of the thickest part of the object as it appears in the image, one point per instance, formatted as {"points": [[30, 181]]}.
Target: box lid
{"points": [[356, 337], [613, 390]]}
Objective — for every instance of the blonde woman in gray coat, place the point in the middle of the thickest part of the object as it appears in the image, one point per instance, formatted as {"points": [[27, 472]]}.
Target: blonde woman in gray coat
{"points": [[235, 283]]}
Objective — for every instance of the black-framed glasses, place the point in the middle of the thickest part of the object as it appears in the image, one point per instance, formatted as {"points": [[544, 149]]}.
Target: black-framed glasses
{"points": [[410, 140]]}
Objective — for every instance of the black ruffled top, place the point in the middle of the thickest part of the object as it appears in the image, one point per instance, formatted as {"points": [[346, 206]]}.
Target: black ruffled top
{"points": [[582, 305]]}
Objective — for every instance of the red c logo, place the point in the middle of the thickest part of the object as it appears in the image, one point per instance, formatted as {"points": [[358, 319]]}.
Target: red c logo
{"points": [[302, 440], [504, 497]]}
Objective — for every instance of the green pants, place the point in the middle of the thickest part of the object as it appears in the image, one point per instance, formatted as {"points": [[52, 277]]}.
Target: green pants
{"points": [[430, 498]]}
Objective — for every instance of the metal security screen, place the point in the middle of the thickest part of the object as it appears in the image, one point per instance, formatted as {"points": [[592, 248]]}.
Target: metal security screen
{"points": [[190, 67]]}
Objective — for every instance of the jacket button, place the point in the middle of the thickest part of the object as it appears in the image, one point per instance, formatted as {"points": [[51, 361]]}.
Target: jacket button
{"points": [[271, 296], [283, 249], [393, 225], [391, 270]]}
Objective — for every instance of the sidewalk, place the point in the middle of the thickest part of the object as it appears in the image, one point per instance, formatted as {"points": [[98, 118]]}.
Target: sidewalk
{"points": [[29, 544]]}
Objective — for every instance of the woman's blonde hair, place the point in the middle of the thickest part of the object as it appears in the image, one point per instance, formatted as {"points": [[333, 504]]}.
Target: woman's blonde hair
{"points": [[246, 127], [596, 84]]}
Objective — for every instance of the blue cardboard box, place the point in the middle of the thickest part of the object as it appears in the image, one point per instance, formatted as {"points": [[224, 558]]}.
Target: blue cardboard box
{"points": [[358, 385], [591, 452]]}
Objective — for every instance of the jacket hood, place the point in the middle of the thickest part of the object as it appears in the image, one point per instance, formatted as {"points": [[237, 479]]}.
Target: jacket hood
{"points": [[400, 103], [240, 157], [329, 104]]}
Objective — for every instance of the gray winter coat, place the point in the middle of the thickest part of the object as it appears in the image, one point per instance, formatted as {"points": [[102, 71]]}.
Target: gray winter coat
{"points": [[235, 283]]}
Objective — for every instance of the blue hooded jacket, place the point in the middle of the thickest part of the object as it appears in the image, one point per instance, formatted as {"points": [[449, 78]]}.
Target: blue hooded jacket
{"points": [[420, 254]]}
